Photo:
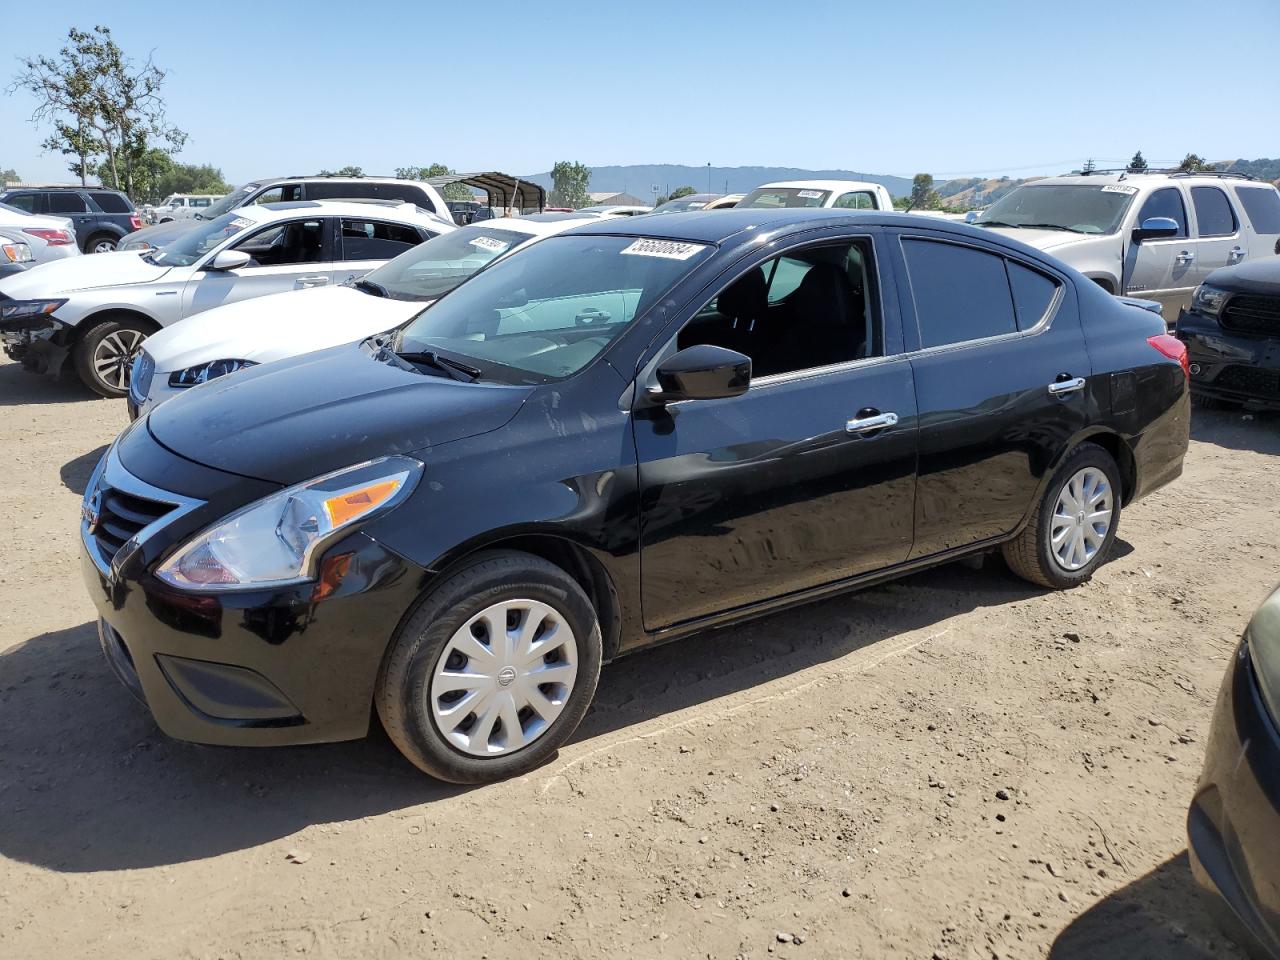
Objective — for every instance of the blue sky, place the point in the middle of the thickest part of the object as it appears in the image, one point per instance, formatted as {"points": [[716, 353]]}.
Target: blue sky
{"points": [[954, 88]]}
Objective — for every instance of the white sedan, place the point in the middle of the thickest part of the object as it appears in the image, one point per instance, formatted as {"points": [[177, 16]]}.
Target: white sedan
{"points": [[230, 338], [99, 310]]}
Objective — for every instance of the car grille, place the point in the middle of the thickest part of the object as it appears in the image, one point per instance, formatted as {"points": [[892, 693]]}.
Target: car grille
{"points": [[1249, 313], [120, 516], [1252, 381]]}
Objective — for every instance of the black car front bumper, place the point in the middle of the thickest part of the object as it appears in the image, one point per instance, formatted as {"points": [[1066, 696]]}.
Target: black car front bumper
{"points": [[1233, 828], [1242, 368]]}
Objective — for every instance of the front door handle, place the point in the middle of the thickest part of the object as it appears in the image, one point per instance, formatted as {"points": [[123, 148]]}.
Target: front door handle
{"points": [[1185, 257], [867, 424], [1236, 254], [1063, 387], [317, 281]]}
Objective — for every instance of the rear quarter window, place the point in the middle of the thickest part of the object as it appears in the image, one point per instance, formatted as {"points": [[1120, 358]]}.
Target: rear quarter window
{"points": [[1033, 293], [111, 202], [1262, 207]]}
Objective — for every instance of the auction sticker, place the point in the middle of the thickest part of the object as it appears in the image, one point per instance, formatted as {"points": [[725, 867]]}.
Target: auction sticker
{"points": [[240, 223], [488, 243], [1119, 188], [810, 194], [666, 249]]}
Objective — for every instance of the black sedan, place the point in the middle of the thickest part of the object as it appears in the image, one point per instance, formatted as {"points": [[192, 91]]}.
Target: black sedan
{"points": [[624, 434], [1233, 828], [1232, 333]]}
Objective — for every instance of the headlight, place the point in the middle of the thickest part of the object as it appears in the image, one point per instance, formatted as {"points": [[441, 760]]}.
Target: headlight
{"points": [[273, 542], [1208, 300], [16, 252], [28, 309], [1263, 636], [204, 372]]}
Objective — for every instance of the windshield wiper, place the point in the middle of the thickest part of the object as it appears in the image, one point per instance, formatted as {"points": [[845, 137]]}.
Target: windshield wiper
{"points": [[995, 223], [1050, 226], [456, 369], [373, 287]]}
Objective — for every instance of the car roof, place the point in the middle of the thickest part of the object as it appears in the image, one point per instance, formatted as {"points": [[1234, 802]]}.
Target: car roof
{"points": [[1137, 179], [832, 185], [540, 225], [405, 212]]}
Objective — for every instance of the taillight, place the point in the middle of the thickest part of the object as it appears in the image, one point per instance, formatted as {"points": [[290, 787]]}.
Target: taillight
{"points": [[135, 221], [1174, 349], [54, 238]]}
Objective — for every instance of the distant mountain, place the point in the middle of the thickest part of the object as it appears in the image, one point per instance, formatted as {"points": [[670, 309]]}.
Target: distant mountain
{"points": [[640, 179], [967, 193]]}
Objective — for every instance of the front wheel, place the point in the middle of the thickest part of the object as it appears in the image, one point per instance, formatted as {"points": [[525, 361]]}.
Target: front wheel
{"points": [[1074, 525], [494, 670], [105, 355]]}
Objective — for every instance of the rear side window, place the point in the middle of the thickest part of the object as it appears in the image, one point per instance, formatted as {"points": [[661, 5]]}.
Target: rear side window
{"points": [[111, 202], [1033, 293], [1261, 205], [858, 200], [376, 239], [960, 293], [1214, 215], [66, 203], [1166, 202]]}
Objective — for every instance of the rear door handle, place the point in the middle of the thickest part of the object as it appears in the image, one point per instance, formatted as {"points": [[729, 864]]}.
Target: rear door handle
{"points": [[1186, 256], [317, 281], [867, 424], [1063, 387], [1236, 254]]}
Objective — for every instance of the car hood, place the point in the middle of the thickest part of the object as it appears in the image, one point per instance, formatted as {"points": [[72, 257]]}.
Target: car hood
{"points": [[1252, 276], [1053, 240], [161, 233], [81, 273], [297, 419], [274, 327]]}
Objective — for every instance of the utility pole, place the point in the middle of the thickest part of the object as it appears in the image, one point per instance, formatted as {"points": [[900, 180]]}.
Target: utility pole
{"points": [[708, 177]]}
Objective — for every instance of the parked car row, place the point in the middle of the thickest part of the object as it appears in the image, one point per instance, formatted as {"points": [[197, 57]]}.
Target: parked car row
{"points": [[100, 218]]}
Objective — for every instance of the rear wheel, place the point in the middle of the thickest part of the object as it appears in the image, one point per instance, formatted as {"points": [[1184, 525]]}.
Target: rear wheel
{"points": [[105, 355], [1074, 525], [100, 243], [494, 670]]}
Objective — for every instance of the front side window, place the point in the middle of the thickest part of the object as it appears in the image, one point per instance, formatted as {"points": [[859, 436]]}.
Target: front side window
{"points": [[66, 202], [195, 243], [1262, 205], [376, 239], [778, 197], [960, 293], [284, 244], [285, 193], [432, 269], [809, 308], [1166, 202], [547, 312], [857, 200], [1214, 216]]}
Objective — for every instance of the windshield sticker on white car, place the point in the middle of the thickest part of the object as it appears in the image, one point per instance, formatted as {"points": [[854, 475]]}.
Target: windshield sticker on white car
{"points": [[666, 249], [1119, 188], [488, 243], [240, 223], [810, 194]]}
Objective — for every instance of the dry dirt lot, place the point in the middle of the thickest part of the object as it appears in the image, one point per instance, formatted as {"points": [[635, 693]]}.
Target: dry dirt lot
{"points": [[954, 766]]}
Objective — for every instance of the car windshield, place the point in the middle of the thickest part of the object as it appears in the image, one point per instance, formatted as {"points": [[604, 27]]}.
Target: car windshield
{"points": [[679, 206], [232, 200], [1082, 208], [549, 310], [770, 197], [432, 269], [196, 242]]}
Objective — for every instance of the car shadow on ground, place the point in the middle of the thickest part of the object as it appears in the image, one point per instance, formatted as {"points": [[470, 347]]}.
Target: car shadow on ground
{"points": [[1237, 429], [19, 387], [87, 782], [75, 473], [1158, 917]]}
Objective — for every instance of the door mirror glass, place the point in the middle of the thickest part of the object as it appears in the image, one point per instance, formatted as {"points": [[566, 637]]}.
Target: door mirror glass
{"points": [[229, 260], [1155, 228], [702, 372], [971, 216]]}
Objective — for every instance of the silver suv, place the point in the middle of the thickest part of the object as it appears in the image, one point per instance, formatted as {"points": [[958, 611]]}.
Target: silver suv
{"points": [[1149, 235]]}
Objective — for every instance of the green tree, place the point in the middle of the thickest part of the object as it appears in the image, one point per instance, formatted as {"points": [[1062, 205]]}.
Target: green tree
{"points": [[64, 89], [348, 171], [1138, 164], [1193, 163], [452, 191], [569, 181], [923, 196], [9, 175], [156, 176]]}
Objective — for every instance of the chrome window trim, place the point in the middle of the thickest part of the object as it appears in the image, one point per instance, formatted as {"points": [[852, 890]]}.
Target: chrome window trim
{"points": [[113, 472]]}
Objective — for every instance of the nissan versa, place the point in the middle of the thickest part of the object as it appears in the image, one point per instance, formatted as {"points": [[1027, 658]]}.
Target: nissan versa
{"points": [[618, 436]]}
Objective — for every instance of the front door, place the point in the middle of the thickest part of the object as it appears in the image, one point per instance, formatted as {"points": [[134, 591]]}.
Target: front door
{"points": [[793, 484], [1162, 270]]}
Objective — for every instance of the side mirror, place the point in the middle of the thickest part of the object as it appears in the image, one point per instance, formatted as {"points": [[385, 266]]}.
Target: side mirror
{"points": [[229, 260], [702, 372], [1155, 228], [971, 216]]}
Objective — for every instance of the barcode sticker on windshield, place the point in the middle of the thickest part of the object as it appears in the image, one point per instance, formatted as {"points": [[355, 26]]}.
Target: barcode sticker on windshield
{"points": [[1119, 188], [488, 243], [810, 194], [240, 223], [667, 249]]}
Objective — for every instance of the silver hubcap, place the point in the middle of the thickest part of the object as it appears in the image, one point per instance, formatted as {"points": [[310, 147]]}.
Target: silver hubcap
{"points": [[104, 246], [504, 677], [1081, 519], [114, 356]]}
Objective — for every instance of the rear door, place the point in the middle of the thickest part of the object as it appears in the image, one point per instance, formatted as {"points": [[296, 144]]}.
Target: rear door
{"points": [[1002, 382], [1220, 239], [1261, 203], [365, 243], [287, 255], [791, 485]]}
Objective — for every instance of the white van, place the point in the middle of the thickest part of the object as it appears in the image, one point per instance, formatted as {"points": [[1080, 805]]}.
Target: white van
{"points": [[183, 206]]}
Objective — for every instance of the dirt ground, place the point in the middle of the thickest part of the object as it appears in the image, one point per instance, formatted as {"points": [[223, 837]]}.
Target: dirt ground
{"points": [[952, 766]]}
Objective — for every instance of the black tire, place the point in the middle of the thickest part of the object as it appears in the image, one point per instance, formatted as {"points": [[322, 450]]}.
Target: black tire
{"points": [[1030, 554], [402, 691], [101, 243], [84, 356]]}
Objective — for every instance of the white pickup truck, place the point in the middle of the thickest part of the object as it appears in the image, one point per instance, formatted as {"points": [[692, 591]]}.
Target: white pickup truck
{"points": [[837, 194]]}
